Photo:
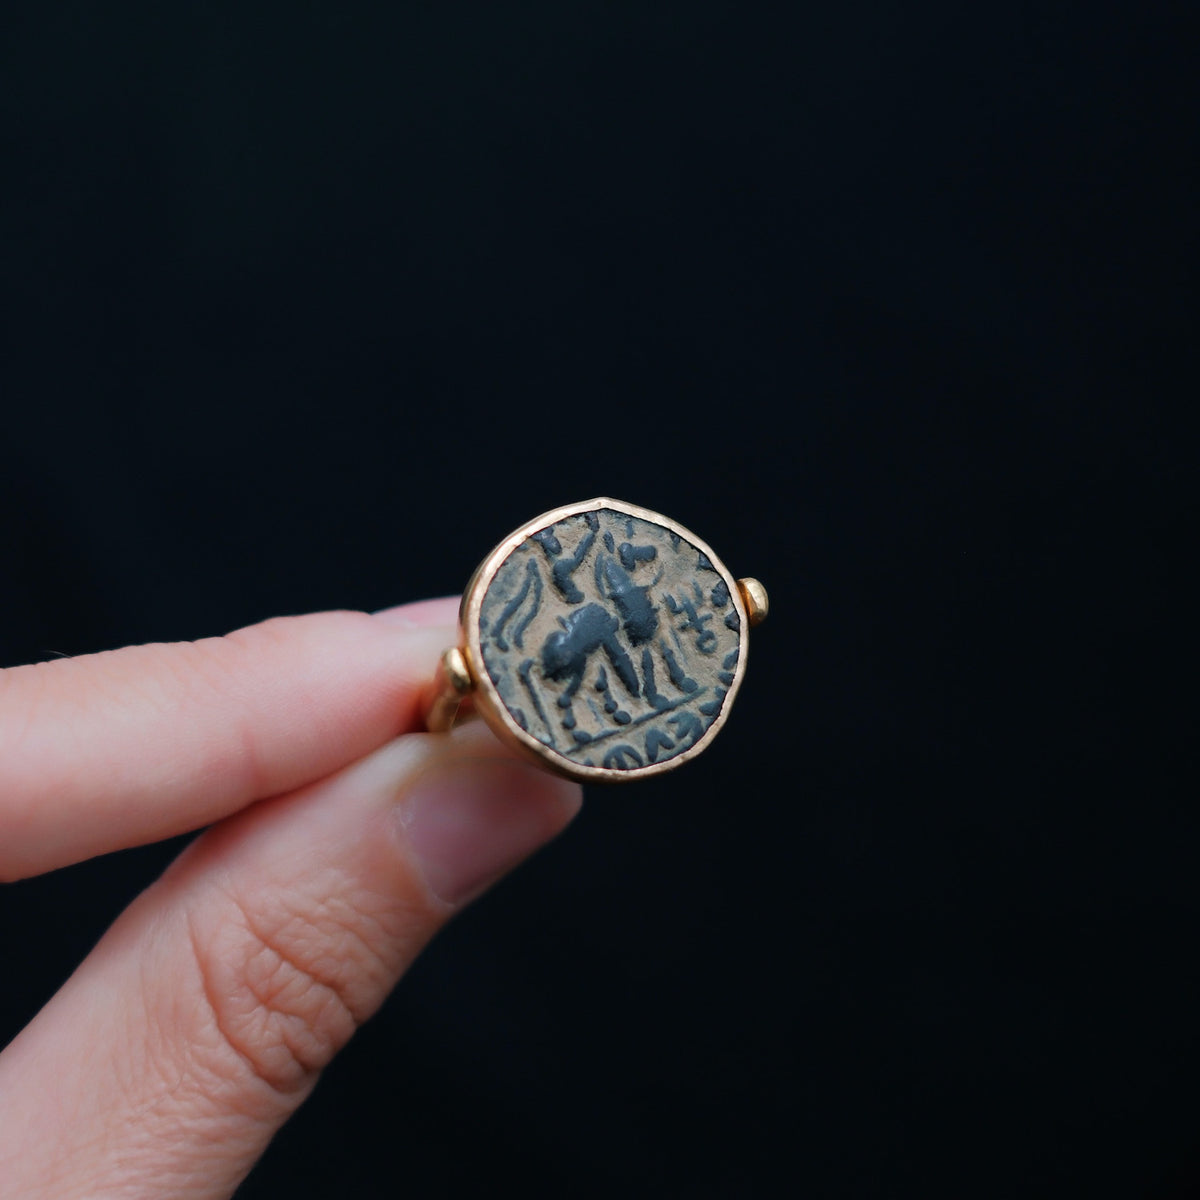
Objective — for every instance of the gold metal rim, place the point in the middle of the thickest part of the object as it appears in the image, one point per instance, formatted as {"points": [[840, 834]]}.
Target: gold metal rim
{"points": [[487, 699]]}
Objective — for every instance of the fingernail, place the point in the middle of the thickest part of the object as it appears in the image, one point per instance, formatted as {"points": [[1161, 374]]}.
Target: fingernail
{"points": [[468, 822]]}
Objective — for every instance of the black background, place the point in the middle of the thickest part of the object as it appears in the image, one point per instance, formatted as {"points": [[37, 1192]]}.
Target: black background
{"points": [[306, 305]]}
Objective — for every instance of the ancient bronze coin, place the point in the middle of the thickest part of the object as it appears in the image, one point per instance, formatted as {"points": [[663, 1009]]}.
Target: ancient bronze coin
{"points": [[604, 638]]}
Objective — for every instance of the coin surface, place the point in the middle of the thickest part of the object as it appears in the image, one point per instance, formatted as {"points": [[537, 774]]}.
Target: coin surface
{"points": [[611, 639]]}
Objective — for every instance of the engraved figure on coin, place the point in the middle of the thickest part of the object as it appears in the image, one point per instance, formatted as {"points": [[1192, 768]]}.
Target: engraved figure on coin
{"points": [[607, 625]]}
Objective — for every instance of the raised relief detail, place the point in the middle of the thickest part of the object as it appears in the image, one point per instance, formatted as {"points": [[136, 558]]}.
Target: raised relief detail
{"points": [[610, 639]]}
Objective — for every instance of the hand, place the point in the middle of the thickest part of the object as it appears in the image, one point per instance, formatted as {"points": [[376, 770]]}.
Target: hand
{"points": [[201, 1020]]}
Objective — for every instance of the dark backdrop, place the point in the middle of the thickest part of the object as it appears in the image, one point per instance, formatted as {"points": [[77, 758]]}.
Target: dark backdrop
{"points": [[307, 305]]}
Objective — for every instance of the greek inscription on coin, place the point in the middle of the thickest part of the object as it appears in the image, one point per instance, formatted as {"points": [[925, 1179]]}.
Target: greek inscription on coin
{"points": [[610, 639]]}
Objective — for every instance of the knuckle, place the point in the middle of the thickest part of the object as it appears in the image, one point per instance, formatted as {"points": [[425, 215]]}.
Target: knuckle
{"points": [[286, 990]]}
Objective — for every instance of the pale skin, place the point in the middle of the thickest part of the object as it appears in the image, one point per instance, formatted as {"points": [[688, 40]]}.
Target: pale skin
{"points": [[341, 840]]}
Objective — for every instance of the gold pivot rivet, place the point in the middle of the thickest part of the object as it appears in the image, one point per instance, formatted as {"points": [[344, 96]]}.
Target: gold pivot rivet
{"points": [[754, 597], [451, 684], [458, 674]]}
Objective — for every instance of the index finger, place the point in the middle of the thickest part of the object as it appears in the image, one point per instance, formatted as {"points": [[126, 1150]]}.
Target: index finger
{"points": [[129, 746]]}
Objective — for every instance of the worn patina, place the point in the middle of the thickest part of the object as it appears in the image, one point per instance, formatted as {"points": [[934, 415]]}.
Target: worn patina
{"points": [[610, 639]]}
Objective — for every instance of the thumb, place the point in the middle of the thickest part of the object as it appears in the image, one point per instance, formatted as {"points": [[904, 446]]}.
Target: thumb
{"points": [[202, 1019]]}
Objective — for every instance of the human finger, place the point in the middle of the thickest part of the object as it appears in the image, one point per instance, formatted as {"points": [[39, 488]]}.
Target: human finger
{"points": [[201, 1020], [129, 746]]}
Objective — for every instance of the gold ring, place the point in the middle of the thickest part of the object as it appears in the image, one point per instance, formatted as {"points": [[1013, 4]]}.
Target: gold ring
{"points": [[603, 639]]}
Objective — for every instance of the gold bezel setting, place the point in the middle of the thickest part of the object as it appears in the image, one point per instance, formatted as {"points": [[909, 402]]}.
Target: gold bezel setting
{"points": [[463, 670]]}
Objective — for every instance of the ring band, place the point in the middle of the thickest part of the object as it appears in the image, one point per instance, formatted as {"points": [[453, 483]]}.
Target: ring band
{"points": [[605, 640]]}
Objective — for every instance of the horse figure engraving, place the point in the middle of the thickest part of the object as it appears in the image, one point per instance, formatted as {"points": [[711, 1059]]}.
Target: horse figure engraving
{"points": [[567, 651], [610, 661]]}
